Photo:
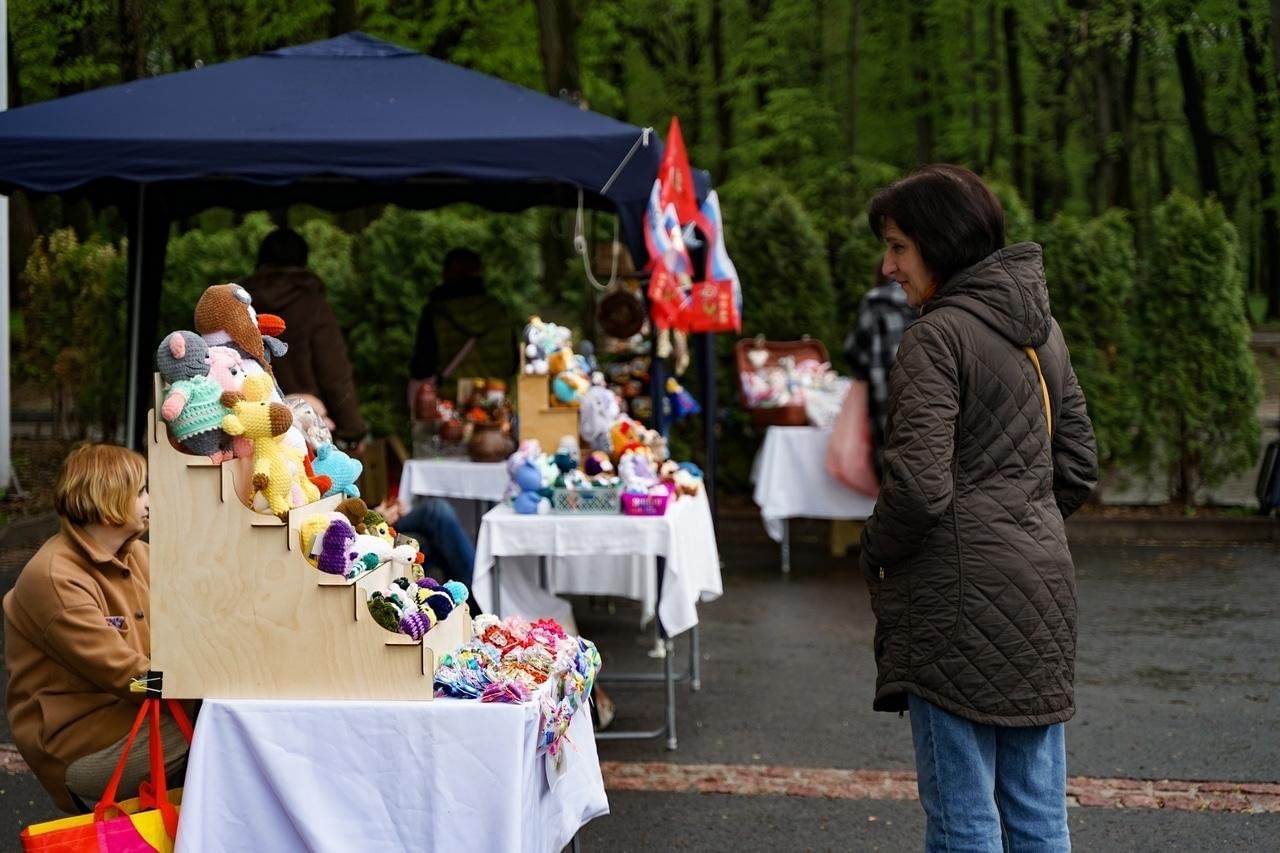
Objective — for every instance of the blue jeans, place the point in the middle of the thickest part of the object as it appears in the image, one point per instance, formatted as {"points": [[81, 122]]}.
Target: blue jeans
{"points": [[989, 788], [440, 536]]}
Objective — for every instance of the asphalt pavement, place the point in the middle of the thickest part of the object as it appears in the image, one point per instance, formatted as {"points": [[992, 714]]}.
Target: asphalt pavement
{"points": [[1175, 745]]}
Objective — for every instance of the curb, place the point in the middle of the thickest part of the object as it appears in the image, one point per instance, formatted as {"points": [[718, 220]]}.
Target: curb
{"points": [[1097, 530], [28, 531]]}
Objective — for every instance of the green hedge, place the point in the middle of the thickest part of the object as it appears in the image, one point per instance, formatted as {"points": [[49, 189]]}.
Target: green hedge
{"points": [[1200, 384], [1090, 267]]}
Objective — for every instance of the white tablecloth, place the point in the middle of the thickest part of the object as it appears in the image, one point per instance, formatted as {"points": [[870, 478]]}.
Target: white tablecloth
{"points": [[685, 535], [792, 481], [453, 478], [445, 775]]}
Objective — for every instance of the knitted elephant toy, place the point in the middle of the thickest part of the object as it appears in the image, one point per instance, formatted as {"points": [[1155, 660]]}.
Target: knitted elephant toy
{"points": [[192, 400], [277, 469]]}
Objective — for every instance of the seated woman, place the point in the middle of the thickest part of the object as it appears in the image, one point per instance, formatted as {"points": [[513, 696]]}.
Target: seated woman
{"points": [[76, 632]]}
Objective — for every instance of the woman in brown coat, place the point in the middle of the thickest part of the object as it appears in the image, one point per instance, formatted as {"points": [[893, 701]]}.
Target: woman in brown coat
{"points": [[76, 633], [989, 448]]}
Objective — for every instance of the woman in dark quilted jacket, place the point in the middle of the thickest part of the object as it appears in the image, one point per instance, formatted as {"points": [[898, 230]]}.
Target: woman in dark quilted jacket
{"points": [[989, 448]]}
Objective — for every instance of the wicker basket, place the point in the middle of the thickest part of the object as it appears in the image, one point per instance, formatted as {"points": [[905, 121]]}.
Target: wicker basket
{"points": [[799, 350], [593, 501]]}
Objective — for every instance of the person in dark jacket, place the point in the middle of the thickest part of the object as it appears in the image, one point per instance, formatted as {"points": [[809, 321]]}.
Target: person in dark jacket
{"points": [[316, 364], [989, 448], [463, 330]]}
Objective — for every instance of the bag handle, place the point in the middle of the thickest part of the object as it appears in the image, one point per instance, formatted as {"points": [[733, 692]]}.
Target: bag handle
{"points": [[156, 794], [1044, 389]]}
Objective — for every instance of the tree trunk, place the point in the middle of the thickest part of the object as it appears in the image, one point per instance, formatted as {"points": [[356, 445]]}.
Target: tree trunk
{"points": [[993, 96], [692, 78], [1193, 109], [1269, 238], [723, 101], [343, 19], [851, 76], [1103, 177], [558, 43], [922, 97], [975, 96], [1126, 113], [1164, 179], [1275, 42], [133, 48], [1016, 114], [759, 12]]}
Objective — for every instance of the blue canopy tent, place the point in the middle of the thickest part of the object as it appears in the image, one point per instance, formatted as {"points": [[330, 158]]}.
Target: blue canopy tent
{"points": [[339, 123]]}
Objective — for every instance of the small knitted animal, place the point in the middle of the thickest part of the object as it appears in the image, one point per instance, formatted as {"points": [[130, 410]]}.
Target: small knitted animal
{"points": [[192, 400], [225, 311], [337, 550], [277, 469], [340, 468]]}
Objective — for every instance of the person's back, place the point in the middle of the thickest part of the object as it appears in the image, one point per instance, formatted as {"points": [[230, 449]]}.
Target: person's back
{"points": [[463, 330], [317, 362]]}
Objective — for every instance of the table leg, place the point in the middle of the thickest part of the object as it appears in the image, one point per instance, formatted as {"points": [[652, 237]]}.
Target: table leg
{"points": [[543, 579], [667, 673], [695, 662], [497, 594], [786, 545]]}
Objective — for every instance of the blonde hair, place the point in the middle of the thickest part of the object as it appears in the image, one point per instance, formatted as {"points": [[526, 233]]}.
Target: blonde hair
{"points": [[99, 483]]}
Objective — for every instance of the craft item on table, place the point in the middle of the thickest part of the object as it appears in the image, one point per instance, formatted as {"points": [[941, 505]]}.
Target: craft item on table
{"points": [[338, 552], [599, 409], [316, 433], [340, 468], [682, 480], [374, 524], [639, 476], [682, 403], [192, 405], [277, 468], [440, 602], [531, 496], [507, 659], [354, 509], [406, 558], [225, 314], [458, 591], [624, 435], [567, 454], [311, 533], [377, 546], [541, 340], [598, 464], [272, 327]]}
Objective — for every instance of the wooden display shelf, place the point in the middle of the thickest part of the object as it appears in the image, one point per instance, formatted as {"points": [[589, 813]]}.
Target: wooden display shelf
{"points": [[237, 612], [538, 417]]}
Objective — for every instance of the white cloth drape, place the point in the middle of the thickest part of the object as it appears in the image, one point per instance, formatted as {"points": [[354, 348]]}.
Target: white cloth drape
{"points": [[792, 481], [445, 775]]}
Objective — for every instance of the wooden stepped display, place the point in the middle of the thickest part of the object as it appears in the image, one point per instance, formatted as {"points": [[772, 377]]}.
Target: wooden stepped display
{"points": [[540, 418], [237, 612]]}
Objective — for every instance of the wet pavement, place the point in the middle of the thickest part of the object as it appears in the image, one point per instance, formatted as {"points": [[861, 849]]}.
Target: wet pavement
{"points": [[1179, 661]]}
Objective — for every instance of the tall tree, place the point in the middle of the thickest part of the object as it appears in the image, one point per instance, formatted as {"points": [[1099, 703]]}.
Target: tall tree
{"points": [[1269, 238], [133, 48], [1017, 104], [921, 73], [1193, 109], [722, 91], [558, 42], [851, 74], [344, 17]]}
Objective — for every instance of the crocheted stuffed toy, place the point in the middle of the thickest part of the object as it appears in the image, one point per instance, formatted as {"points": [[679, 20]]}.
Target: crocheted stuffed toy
{"points": [[311, 533], [192, 400], [277, 469], [342, 470], [354, 509], [339, 554], [224, 314], [532, 497]]}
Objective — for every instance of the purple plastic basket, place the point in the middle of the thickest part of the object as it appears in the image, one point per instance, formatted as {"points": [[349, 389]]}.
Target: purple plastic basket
{"points": [[633, 504]]}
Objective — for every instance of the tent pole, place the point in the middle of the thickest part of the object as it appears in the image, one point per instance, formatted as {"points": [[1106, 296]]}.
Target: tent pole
{"points": [[133, 392], [6, 411], [706, 352]]}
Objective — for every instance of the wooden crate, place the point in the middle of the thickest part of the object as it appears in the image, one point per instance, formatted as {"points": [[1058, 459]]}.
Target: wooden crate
{"points": [[538, 417], [801, 349], [237, 612]]}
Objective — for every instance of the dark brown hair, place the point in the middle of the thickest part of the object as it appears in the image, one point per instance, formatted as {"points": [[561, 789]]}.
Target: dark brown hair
{"points": [[948, 211]]}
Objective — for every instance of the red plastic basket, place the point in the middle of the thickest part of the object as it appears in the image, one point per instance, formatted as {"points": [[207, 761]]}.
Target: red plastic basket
{"points": [[634, 504]]}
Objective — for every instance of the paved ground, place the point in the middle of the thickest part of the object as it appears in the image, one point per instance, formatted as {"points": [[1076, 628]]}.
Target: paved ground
{"points": [[1176, 745]]}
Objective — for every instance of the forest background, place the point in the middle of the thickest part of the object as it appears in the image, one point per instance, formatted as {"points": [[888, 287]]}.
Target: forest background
{"points": [[1135, 139]]}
